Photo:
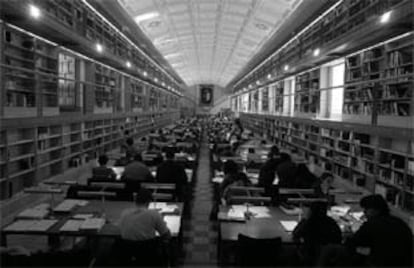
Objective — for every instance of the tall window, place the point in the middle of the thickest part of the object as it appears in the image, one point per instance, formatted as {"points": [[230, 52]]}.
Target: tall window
{"points": [[67, 84]]}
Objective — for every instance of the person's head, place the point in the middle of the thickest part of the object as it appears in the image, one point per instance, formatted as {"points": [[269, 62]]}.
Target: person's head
{"points": [[137, 158], [326, 181], [317, 209], [103, 160], [170, 154], [130, 141], [230, 167], [374, 205], [143, 197], [274, 150], [284, 157], [241, 176]]}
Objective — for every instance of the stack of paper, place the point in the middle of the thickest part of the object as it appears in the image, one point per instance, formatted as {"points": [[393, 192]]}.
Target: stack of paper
{"points": [[289, 226], [94, 224], [30, 225], [72, 226]]}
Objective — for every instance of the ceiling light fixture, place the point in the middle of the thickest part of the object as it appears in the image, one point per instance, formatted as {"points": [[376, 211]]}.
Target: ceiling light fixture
{"points": [[146, 16], [316, 52], [385, 17], [99, 48], [34, 11], [128, 64], [286, 68], [269, 76], [145, 73]]}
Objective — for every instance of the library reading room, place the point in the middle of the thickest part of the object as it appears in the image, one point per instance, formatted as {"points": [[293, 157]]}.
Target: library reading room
{"points": [[206, 133]]}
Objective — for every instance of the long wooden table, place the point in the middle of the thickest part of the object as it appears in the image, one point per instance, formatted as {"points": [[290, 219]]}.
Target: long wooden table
{"points": [[110, 210]]}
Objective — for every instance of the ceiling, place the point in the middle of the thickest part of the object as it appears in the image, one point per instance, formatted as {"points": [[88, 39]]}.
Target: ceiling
{"points": [[209, 41]]}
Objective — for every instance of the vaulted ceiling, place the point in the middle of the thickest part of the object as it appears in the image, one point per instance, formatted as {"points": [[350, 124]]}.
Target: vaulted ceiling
{"points": [[209, 41]]}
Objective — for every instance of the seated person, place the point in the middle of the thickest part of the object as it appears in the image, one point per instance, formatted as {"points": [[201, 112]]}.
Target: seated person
{"points": [[170, 171], [103, 172], [267, 172], [141, 223], [240, 179], [232, 177], [315, 231], [388, 238], [130, 149], [137, 171], [286, 171], [304, 179], [323, 187]]}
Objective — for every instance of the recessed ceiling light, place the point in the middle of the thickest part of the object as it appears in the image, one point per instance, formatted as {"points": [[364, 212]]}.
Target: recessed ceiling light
{"points": [[99, 48], [385, 17], [34, 11]]}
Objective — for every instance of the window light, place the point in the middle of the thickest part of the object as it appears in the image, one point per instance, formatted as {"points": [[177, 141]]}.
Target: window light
{"points": [[34, 11], [99, 48], [385, 17]]}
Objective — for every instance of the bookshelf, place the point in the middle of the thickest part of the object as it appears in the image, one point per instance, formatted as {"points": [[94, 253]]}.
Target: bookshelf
{"points": [[363, 156], [307, 97], [378, 85]]}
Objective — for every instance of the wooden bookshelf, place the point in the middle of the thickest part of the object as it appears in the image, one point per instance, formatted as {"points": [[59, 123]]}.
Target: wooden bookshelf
{"points": [[379, 81], [362, 156], [307, 95]]}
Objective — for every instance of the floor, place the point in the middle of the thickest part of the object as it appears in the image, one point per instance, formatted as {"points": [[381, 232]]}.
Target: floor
{"points": [[200, 233]]}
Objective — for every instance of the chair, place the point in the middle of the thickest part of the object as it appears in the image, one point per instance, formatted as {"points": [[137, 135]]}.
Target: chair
{"points": [[258, 252], [161, 191], [146, 253]]}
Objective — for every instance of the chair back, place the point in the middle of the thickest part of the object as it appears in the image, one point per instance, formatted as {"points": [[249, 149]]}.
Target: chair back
{"points": [[140, 253], [258, 252]]}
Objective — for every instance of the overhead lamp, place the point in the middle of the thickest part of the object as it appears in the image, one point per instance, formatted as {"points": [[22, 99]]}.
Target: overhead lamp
{"points": [[128, 64], [316, 52], [99, 48], [35, 12], [385, 17], [269, 76], [286, 68], [145, 73], [258, 82], [156, 79], [146, 16]]}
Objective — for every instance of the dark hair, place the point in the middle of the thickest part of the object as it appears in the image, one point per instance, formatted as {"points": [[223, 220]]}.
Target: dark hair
{"points": [[274, 150], [130, 141], [138, 157], [169, 154], [102, 160], [376, 202], [285, 157], [144, 196], [318, 209], [230, 167], [241, 176]]}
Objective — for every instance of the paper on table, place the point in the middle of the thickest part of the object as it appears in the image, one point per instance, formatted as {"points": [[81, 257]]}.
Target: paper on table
{"points": [[340, 210], [33, 213], [82, 216], [289, 225], [31, 225], [69, 204], [163, 207], [72, 226], [218, 179], [173, 223], [93, 224]]}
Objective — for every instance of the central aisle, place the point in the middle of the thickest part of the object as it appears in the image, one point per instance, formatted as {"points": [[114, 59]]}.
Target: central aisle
{"points": [[200, 234]]}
